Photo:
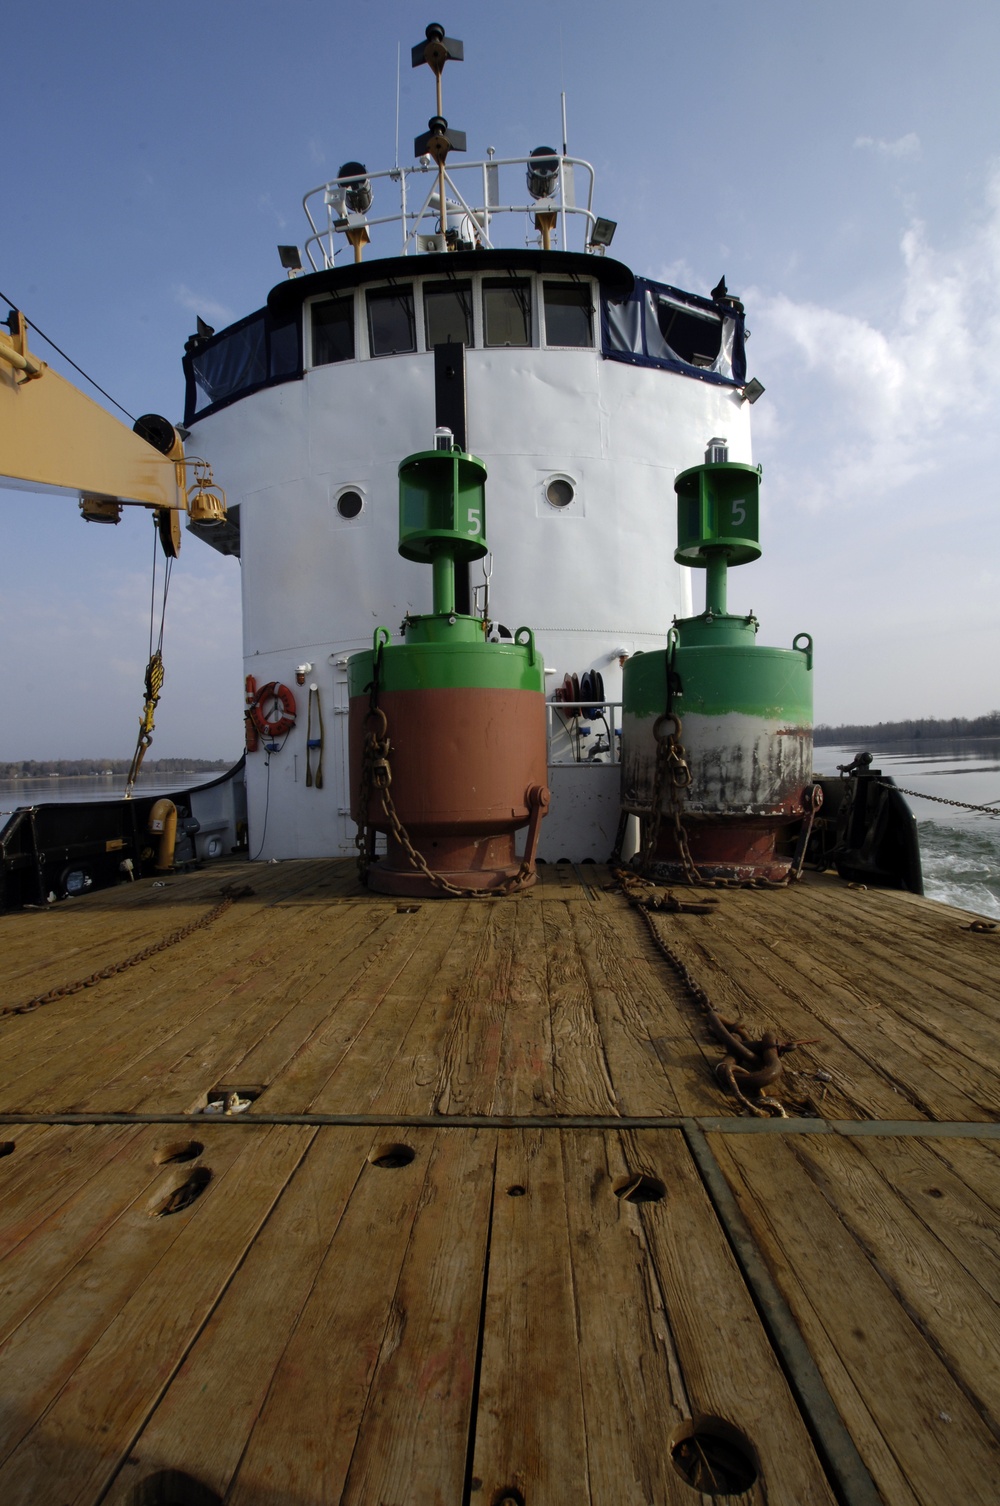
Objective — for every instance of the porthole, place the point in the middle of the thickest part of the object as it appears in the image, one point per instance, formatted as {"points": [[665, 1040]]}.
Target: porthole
{"points": [[559, 491], [350, 503]]}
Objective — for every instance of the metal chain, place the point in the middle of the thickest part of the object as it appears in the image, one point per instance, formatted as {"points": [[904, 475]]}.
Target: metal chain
{"points": [[747, 1064], [376, 774], [376, 744], [383, 779], [987, 810], [231, 894], [673, 770]]}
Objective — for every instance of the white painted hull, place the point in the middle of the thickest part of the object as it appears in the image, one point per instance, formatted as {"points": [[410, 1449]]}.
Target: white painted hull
{"points": [[594, 580]]}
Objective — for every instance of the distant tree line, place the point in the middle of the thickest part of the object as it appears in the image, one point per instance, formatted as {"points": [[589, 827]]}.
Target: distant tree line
{"points": [[41, 768], [888, 732]]}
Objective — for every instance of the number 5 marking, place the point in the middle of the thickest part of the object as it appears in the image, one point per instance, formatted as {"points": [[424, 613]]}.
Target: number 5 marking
{"points": [[475, 522], [739, 513]]}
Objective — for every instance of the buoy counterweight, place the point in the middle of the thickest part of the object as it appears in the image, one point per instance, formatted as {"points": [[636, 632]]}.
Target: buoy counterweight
{"points": [[745, 710]]}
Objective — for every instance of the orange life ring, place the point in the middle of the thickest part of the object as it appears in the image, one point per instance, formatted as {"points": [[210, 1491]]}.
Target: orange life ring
{"points": [[274, 691]]}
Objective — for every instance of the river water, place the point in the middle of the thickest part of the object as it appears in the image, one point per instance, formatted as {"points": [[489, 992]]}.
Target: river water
{"points": [[960, 849], [62, 788]]}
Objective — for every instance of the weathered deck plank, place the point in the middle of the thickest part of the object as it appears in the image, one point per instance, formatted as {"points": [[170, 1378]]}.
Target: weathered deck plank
{"points": [[921, 1436], [85, 1367], [315, 1328], [401, 990], [634, 1393], [531, 1435], [413, 1439], [525, 1081], [307, 1431], [729, 1368], [236, 1354]]}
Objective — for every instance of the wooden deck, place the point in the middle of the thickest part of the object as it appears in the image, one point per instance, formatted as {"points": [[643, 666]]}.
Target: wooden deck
{"points": [[421, 1268]]}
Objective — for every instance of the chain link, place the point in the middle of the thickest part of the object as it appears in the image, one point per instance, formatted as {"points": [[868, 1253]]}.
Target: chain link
{"points": [[376, 775], [987, 810], [748, 1065], [231, 894], [419, 862], [673, 770]]}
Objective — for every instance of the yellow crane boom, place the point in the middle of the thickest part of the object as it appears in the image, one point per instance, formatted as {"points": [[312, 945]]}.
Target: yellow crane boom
{"points": [[55, 439]]}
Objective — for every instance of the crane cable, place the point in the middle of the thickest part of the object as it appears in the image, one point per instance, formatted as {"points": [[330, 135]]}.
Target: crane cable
{"points": [[41, 333], [154, 672]]}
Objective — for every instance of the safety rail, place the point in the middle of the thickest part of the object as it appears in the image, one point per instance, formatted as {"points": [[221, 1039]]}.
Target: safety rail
{"points": [[465, 224], [569, 739]]}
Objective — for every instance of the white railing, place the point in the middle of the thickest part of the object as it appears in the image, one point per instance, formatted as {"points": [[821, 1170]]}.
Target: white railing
{"points": [[468, 216], [575, 738]]}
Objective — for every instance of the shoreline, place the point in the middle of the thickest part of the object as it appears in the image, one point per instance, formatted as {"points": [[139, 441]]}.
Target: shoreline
{"points": [[884, 742]]}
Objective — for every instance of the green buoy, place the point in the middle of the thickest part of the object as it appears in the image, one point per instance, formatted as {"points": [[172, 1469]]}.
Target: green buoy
{"points": [[447, 730], [717, 730]]}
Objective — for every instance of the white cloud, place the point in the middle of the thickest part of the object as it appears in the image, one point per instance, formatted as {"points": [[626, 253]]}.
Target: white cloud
{"points": [[265, 205], [679, 274], [896, 397], [903, 146], [207, 307]]}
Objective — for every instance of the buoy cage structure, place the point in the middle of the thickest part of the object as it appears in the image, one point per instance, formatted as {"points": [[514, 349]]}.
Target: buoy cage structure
{"points": [[447, 730], [716, 729]]}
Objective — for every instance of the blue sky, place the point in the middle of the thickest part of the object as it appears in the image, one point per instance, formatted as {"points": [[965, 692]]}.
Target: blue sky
{"points": [[841, 166]]}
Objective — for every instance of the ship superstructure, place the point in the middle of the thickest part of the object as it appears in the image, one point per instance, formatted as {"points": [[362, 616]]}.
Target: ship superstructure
{"points": [[584, 388]]}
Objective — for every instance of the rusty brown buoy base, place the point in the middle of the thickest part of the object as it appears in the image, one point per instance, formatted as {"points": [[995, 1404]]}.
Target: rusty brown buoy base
{"points": [[482, 864], [734, 850]]}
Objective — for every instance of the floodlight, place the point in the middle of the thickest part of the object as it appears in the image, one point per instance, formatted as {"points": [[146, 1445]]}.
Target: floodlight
{"points": [[290, 258], [100, 509], [603, 232], [753, 390]]}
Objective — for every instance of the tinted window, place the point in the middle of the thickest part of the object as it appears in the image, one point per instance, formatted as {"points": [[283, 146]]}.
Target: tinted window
{"points": [[686, 332], [507, 312], [448, 313], [391, 325], [333, 331], [257, 351], [568, 314], [231, 363]]}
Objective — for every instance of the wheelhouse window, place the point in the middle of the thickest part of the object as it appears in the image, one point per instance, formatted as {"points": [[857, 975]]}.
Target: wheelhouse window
{"points": [[233, 362], [447, 313], [685, 333], [569, 314], [333, 331], [506, 311], [392, 327]]}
